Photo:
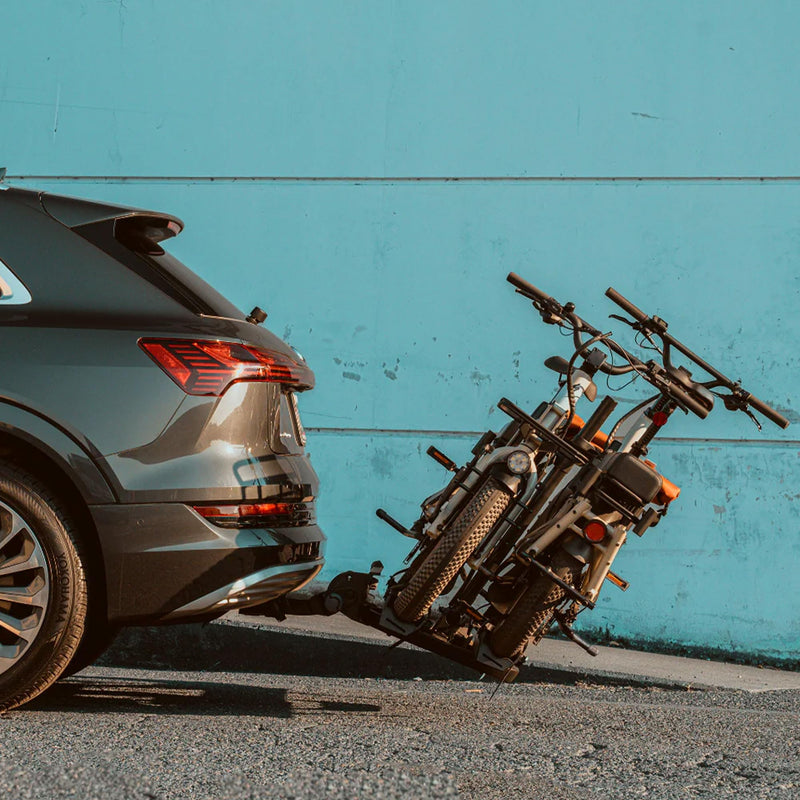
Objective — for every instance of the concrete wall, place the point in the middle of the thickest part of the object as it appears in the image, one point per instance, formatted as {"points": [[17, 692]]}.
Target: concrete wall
{"points": [[369, 172]]}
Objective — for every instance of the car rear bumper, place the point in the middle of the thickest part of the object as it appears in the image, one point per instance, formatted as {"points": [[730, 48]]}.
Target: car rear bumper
{"points": [[165, 563], [260, 587]]}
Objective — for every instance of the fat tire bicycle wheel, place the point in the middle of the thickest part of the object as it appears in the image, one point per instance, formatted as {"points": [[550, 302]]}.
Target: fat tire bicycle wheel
{"points": [[531, 615], [451, 550]]}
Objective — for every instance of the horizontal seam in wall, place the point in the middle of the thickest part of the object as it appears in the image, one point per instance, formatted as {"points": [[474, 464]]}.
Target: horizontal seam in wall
{"points": [[461, 434], [409, 179]]}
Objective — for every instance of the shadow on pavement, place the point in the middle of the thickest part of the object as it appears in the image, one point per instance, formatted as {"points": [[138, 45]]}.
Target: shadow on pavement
{"points": [[245, 648], [92, 695]]}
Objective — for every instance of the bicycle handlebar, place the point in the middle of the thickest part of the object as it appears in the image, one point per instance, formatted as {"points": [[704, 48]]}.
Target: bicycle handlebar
{"points": [[528, 289], [683, 398], [653, 325], [626, 304], [769, 412], [547, 304], [659, 327]]}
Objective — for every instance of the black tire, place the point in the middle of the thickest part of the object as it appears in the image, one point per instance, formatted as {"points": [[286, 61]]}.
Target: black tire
{"points": [[451, 550], [37, 640], [97, 638], [531, 615]]}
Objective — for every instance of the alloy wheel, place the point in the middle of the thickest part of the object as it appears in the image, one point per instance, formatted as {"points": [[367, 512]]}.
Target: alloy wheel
{"points": [[24, 587]]}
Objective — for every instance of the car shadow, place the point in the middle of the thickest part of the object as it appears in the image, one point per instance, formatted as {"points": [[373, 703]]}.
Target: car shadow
{"points": [[110, 695]]}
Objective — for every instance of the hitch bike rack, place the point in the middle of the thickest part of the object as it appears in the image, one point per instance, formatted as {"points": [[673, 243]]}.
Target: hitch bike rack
{"points": [[354, 595]]}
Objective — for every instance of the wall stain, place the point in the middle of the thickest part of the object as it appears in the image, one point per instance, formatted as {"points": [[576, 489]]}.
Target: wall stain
{"points": [[478, 377], [789, 413], [382, 462], [351, 376], [391, 374]]}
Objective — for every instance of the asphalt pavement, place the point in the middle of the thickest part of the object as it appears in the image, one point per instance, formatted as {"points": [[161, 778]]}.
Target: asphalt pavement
{"points": [[238, 709]]}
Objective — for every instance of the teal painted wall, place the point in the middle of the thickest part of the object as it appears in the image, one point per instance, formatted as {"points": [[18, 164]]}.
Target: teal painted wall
{"points": [[398, 159]]}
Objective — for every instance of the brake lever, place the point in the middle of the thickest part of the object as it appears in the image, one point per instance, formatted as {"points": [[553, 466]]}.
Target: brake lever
{"points": [[550, 313], [622, 319], [639, 328], [549, 318], [733, 402], [752, 417]]}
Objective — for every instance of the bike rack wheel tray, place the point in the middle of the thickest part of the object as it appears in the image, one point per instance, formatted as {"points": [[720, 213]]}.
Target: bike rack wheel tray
{"points": [[353, 594]]}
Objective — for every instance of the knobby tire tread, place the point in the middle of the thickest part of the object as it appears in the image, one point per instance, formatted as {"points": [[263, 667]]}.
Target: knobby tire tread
{"points": [[530, 616], [451, 550]]}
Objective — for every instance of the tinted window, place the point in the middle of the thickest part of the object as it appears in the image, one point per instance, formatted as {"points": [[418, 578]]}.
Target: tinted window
{"points": [[68, 276], [126, 240]]}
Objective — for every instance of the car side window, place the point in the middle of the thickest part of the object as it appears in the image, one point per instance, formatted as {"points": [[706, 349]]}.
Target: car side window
{"points": [[12, 290]]}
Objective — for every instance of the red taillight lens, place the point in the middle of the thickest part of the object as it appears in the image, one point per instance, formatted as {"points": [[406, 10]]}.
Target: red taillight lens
{"points": [[208, 367], [247, 510], [595, 530], [251, 514]]}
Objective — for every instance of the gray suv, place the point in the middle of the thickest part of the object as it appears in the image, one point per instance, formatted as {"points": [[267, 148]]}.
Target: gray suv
{"points": [[152, 465]]}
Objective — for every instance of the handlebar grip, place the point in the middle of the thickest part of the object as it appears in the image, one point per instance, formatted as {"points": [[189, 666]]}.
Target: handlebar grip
{"points": [[686, 399], [527, 288], [768, 412], [622, 302]]}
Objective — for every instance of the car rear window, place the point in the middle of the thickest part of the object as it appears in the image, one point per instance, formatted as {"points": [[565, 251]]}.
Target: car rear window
{"points": [[135, 241], [12, 291]]}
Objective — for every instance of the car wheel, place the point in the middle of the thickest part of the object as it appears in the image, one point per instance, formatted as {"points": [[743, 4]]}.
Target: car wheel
{"points": [[97, 638], [43, 592]]}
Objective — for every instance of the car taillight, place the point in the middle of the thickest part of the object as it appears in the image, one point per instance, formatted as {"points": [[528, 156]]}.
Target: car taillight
{"points": [[209, 367], [244, 515]]}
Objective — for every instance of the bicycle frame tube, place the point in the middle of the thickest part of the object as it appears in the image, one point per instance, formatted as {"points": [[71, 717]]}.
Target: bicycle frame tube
{"points": [[560, 406], [602, 561]]}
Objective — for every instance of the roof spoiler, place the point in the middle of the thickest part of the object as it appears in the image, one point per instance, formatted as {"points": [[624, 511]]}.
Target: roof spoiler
{"points": [[74, 212]]}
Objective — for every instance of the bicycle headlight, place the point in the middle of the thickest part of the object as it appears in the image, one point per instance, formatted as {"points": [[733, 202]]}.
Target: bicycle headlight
{"points": [[519, 462]]}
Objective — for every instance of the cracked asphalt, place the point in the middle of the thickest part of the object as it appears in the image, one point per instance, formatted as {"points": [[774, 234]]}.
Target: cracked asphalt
{"points": [[152, 733]]}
